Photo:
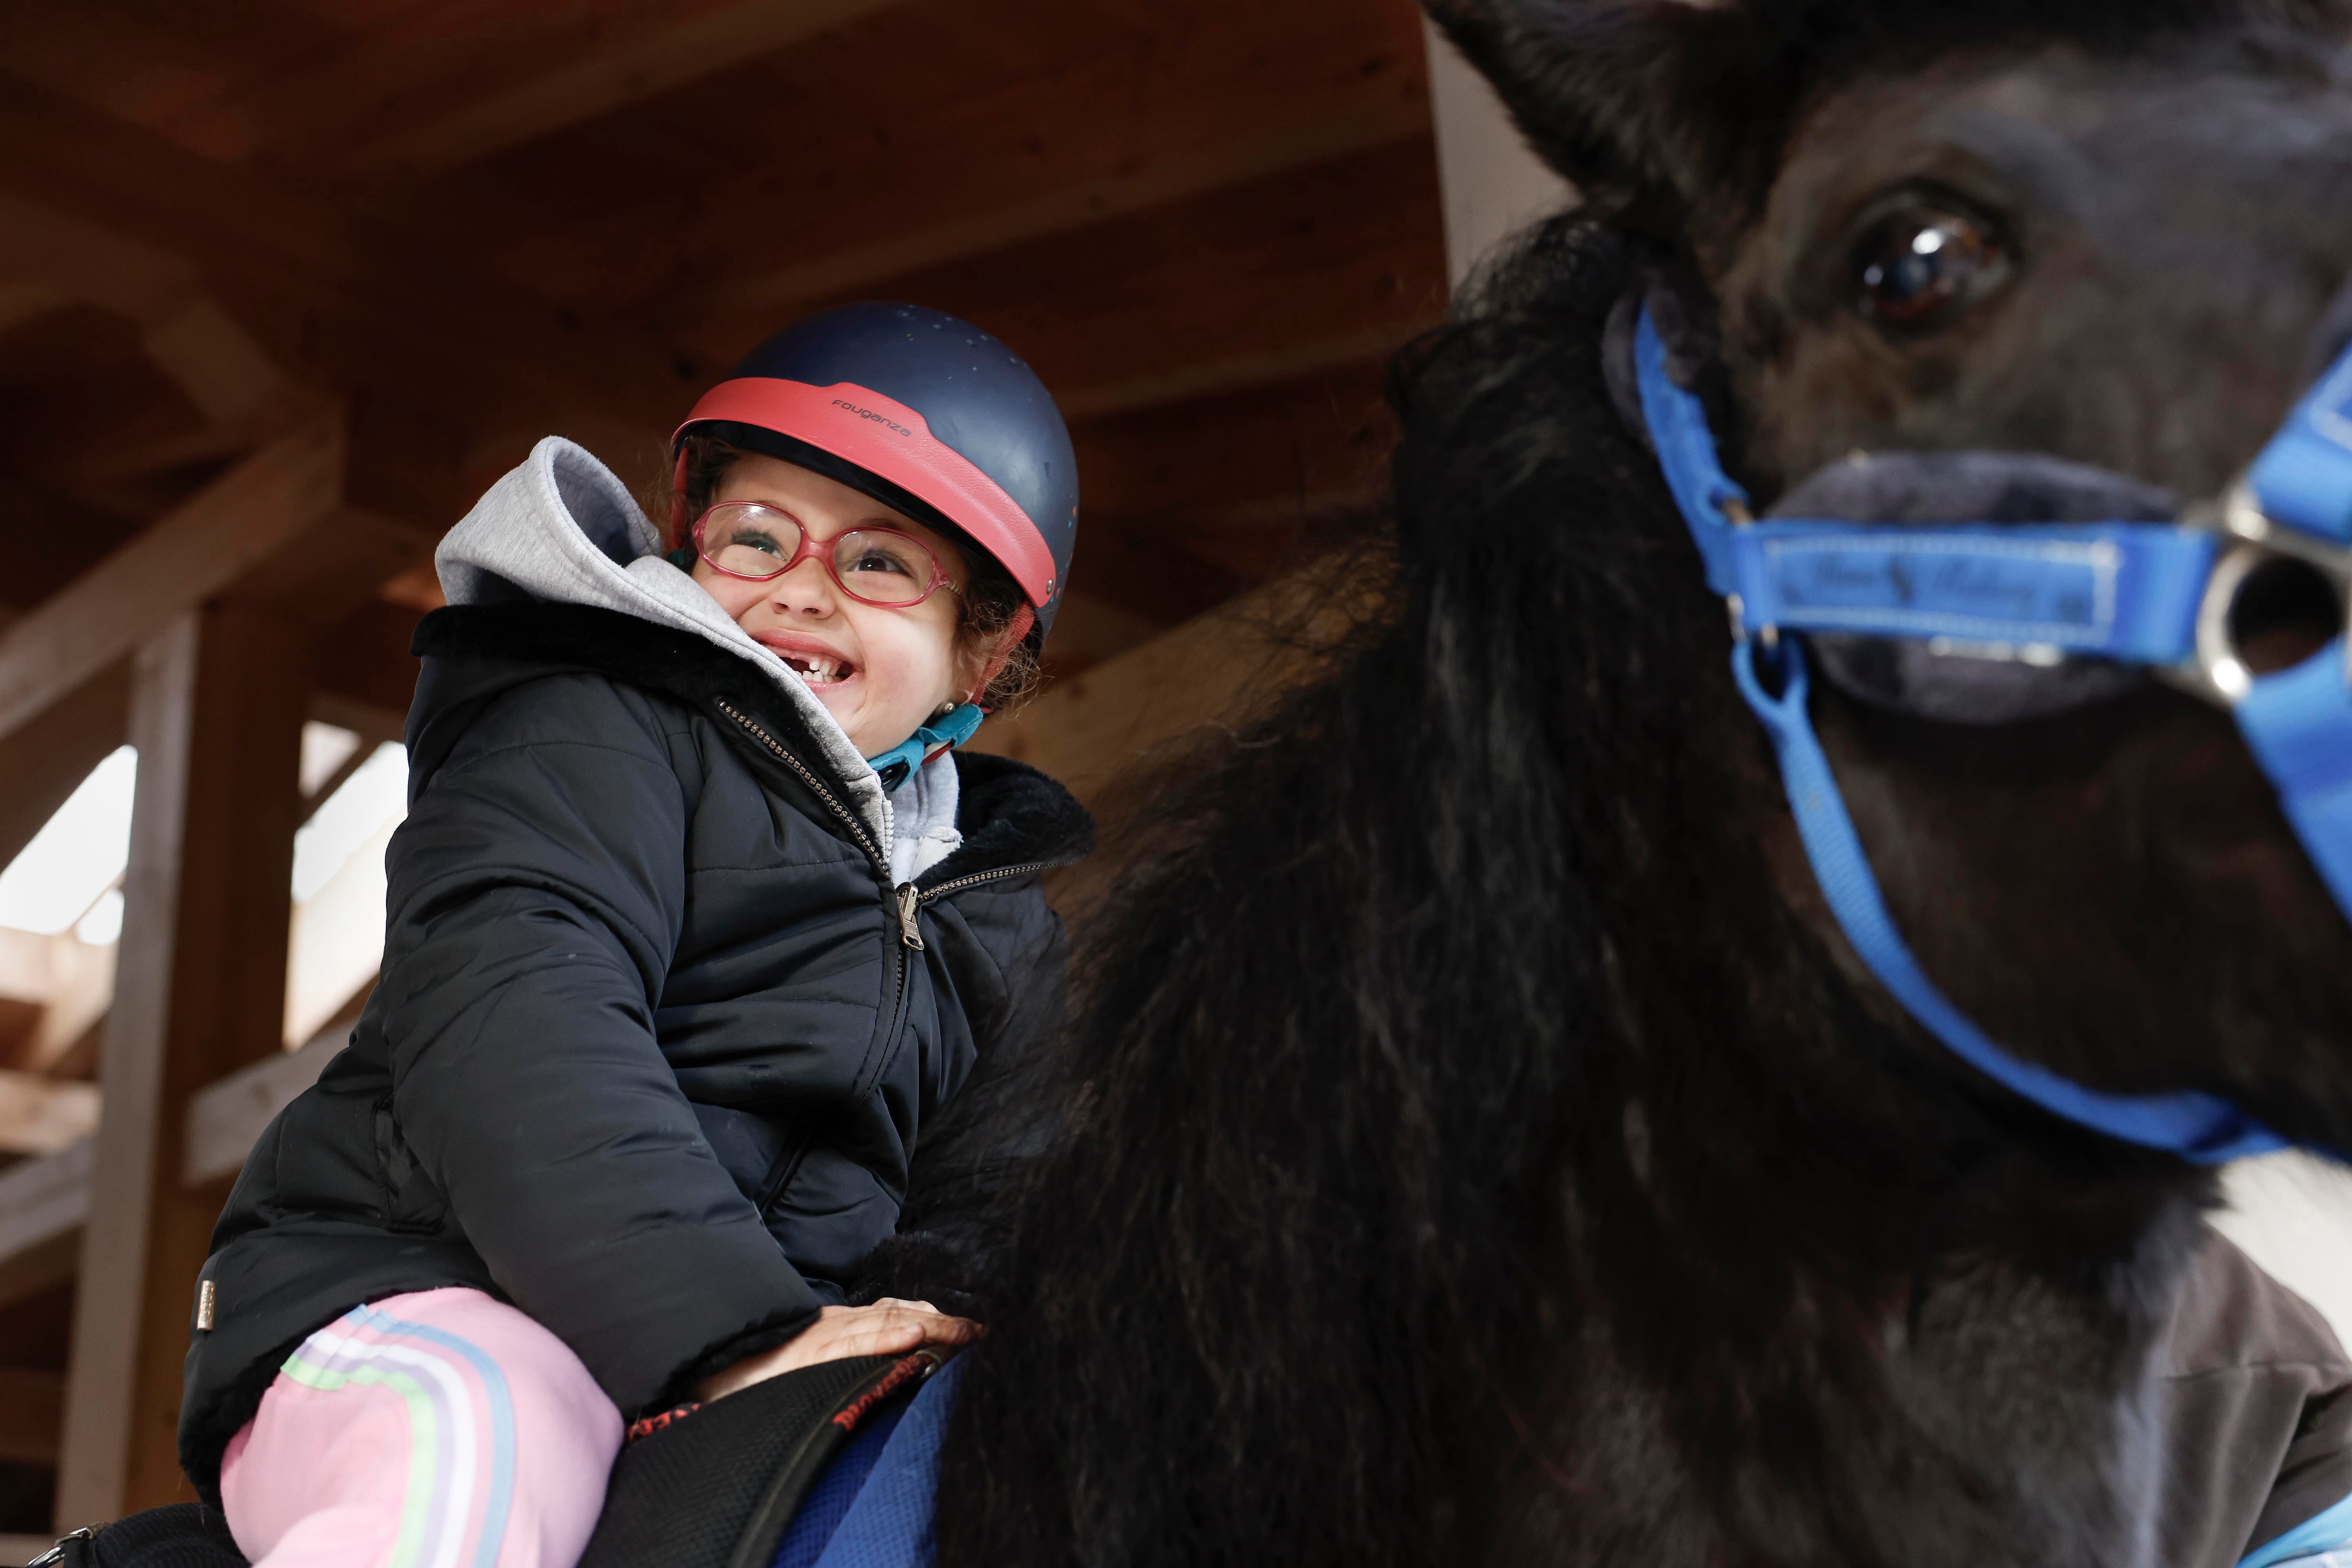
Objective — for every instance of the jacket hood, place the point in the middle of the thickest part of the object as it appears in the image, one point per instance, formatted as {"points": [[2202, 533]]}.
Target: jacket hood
{"points": [[562, 529]]}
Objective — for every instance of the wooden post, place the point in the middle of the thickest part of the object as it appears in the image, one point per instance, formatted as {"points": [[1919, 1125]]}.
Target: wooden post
{"points": [[216, 709]]}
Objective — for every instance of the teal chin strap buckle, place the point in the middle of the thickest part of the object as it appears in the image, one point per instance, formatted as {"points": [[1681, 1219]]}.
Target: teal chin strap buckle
{"points": [[952, 728]]}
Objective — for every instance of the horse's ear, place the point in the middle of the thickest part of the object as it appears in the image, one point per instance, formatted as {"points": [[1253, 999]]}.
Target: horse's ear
{"points": [[1636, 102]]}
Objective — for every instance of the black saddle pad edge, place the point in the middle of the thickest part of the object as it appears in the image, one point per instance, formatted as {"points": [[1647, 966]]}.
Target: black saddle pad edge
{"points": [[772, 1515], [717, 1487]]}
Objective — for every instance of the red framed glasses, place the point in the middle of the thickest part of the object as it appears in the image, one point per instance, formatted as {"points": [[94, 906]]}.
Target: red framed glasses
{"points": [[878, 566]]}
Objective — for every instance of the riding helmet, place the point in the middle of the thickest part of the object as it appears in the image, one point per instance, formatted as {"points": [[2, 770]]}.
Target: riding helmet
{"points": [[923, 411]]}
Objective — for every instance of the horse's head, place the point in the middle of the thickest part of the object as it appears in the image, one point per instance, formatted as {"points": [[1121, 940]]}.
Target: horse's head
{"points": [[2113, 231]]}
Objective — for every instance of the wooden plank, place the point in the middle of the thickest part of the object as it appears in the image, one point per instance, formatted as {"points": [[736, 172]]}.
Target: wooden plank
{"points": [[1387, 118], [43, 1205], [1296, 450], [1301, 273], [309, 92], [1218, 670], [84, 990], [28, 968], [315, 286], [35, 1402], [335, 565], [42, 1116], [624, 69], [1168, 536], [25, 300], [225, 1117], [363, 659], [219, 699], [44, 757], [934, 131], [1246, 369], [44, 1202], [263, 504], [223, 370]]}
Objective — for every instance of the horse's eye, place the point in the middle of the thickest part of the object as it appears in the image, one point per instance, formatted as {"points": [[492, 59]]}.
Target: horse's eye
{"points": [[1920, 268]]}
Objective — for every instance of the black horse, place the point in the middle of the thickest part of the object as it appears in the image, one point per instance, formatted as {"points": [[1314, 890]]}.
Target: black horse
{"points": [[1477, 1142]]}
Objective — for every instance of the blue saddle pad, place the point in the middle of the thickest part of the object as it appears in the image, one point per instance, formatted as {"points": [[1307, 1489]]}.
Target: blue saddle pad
{"points": [[872, 1507]]}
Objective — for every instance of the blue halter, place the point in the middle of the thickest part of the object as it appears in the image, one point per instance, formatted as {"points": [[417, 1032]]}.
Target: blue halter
{"points": [[2137, 592]]}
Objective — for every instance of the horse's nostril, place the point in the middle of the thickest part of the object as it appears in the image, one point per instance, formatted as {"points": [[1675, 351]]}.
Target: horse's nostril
{"points": [[2285, 611]]}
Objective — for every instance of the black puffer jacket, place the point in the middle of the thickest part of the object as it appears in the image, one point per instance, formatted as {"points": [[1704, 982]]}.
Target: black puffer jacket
{"points": [[655, 1036]]}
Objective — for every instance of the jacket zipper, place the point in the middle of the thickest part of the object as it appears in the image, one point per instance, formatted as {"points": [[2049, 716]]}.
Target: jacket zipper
{"points": [[911, 937], [832, 801], [909, 899], [959, 884]]}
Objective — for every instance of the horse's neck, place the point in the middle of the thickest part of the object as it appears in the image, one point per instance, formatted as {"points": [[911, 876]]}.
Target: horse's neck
{"points": [[1980, 1406]]}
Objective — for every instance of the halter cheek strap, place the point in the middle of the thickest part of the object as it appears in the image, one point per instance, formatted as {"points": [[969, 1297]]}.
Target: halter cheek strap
{"points": [[2197, 1127], [2124, 590]]}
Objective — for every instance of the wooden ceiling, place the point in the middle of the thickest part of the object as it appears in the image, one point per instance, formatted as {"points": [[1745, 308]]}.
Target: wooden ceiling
{"points": [[1206, 223]]}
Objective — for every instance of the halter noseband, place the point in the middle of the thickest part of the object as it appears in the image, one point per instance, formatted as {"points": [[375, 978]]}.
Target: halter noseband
{"points": [[2153, 594]]}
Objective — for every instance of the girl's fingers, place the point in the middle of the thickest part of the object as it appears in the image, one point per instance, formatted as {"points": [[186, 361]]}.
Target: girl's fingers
{"points": [[888, 1327]]}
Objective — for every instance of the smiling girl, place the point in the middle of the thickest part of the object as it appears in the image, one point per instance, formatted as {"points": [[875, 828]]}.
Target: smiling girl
{"points": [[697, 920]]}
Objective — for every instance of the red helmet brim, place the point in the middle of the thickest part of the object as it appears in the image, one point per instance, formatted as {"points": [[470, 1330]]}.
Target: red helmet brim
{"points": [[890, 440]]}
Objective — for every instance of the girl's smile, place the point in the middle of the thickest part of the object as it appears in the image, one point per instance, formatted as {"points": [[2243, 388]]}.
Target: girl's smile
{"points": [[879, 670]]}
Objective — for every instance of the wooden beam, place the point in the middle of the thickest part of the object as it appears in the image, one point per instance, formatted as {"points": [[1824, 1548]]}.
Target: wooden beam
{"points": [[225, 1117], [262, 506], [27, 300], [1331, 431], [44, 1202], [1246, 370], [1288, 457], [223, 370], [40, 1116], [363, 659], [1314, 271], [337, 301], [627, 66], [43, 1206], [35, 1402], [85, 990], [219, 699], [1387, 118], [44, 757], [28, 968], [1219, 669], [940, 130]]}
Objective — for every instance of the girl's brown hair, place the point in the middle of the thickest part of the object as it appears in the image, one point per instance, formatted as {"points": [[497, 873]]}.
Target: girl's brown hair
{"points": [[990, 602]]}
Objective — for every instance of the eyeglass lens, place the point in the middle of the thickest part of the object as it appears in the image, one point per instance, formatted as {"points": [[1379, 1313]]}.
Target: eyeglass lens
{"points": [[881, 568]]}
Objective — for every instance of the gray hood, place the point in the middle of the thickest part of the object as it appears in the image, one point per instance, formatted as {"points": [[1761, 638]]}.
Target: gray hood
{"points": [[562, 527]]}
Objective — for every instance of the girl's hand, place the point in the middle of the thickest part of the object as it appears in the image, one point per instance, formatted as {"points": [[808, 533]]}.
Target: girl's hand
{"points": [[888, 1327]]}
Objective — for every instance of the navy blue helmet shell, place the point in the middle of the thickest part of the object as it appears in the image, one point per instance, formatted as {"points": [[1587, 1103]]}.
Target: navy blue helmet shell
{"points": [[909, 403]]}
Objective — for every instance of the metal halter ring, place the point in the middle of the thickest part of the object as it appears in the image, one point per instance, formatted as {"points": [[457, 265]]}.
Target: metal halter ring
{"points": [[2217, 671]]}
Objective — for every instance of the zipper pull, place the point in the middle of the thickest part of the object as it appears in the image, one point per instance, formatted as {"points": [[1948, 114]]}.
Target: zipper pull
{"points": [[909, 898]]}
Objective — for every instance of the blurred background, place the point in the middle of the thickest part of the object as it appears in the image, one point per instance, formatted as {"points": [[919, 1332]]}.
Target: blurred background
{"points": [[284, 284]]}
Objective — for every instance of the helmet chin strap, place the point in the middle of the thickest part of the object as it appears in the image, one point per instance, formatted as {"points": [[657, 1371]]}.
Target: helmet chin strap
{"points": [[953, 725], [2152, 595]]}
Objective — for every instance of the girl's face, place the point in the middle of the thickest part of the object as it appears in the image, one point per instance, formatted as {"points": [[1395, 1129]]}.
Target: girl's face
{"points": [[880, 672]]}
